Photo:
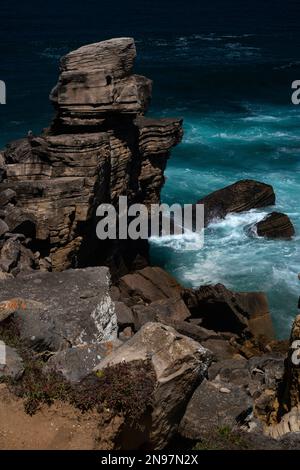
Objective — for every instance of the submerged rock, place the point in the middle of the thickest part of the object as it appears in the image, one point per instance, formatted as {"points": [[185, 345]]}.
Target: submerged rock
{"points": [[238, 197]]}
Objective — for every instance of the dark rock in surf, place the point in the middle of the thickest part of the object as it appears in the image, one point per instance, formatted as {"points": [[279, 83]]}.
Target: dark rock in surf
{"points": [[274, 225]]}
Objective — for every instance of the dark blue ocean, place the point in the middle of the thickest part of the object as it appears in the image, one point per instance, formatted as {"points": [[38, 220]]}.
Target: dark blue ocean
{"points": [[226, 67]]}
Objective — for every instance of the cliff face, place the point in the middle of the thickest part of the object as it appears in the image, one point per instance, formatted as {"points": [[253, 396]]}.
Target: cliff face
{"points": [[99, 146]]}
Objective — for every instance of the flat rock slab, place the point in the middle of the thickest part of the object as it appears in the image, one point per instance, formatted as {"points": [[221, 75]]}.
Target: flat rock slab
{"points": [[56, 310]]}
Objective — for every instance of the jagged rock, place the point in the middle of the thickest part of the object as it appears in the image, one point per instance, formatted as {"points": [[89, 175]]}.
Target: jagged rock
{"points": [[13, 366], [209, 409], [149, 284], [6, 196], [98, 148], [59, 310], [223, 310], [77, 362], [4, 228], [238, 197], [4, 276], [180, 363], [274, 225]]}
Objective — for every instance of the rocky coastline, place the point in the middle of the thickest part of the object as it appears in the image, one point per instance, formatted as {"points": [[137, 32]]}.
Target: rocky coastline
{"points": [[90, 326]]}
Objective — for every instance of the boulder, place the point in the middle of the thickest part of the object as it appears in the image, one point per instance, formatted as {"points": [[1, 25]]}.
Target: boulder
{"points": [[223, 310], [149, 285], [238, 197], [59, 310], [180, 363], [274, 225], [212, 407]]}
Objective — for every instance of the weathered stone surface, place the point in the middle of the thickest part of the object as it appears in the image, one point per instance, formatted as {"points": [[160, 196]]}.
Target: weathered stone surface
{"points": [[223, 310], [10, 255], [4, 228], [13, 366], [274, 225], [290, 396], [238, 197], [77, 362], [98, 148], [59, 310], [211, 408], [150, 284], [179, 363]]}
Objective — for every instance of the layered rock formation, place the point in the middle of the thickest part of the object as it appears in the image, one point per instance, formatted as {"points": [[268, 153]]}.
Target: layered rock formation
{"points": [[99, 146], [238, 197]]}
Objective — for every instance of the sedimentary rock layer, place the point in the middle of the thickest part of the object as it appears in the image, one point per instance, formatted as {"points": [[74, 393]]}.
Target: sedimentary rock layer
{"points": [[100, 146]]}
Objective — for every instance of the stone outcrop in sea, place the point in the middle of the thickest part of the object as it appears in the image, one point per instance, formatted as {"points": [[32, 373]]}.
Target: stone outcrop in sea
{"points": [[191, 361], [99, 146]]}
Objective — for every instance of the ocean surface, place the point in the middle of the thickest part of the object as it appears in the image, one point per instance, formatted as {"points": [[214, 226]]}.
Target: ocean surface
{"points": [[226, 68]]}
